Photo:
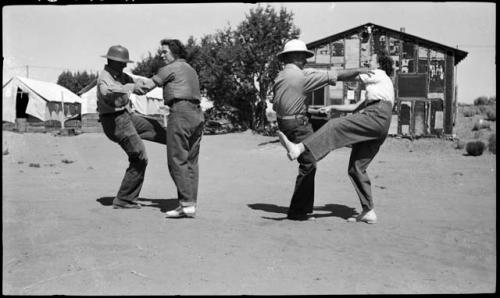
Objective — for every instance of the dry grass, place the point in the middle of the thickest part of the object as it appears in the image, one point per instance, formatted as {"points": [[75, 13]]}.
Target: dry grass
{"points": [[467, 128], [492, 143]]}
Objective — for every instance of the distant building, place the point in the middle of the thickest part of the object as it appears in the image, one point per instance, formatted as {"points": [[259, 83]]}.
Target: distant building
{"points": [[424, 77]]}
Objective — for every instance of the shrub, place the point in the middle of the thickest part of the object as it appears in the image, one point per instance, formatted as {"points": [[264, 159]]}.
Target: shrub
{"points": [[480, 124], [222, 119], [483, 109], [469, 112], [482, 100], [491, 114], [475, 148], [492, 100], [492, 143]]}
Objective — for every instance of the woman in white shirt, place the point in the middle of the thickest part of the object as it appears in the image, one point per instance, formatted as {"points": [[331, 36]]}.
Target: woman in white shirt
{"points": [[365, 129]]}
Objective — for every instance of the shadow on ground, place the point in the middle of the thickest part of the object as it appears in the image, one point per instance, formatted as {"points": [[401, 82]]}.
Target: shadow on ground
{"points": [[335, 210], [163, 204]]}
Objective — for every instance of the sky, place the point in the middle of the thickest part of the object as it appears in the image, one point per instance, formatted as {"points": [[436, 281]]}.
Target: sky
{"points": [[42, 41]]}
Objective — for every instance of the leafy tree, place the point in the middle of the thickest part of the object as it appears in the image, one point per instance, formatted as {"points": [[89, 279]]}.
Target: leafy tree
{"points": [[238, 67], [75, 81], [259, 38], [216, 60], [149, 66]]}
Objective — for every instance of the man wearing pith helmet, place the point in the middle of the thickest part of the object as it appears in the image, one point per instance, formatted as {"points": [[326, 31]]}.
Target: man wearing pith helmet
{"points": [[123, 126], [290, 91]]}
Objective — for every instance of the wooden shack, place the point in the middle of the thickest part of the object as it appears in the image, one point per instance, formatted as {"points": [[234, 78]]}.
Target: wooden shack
{"points": [[424, 77]]}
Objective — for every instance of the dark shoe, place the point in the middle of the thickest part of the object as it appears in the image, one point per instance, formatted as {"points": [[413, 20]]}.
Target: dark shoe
{"points": [[300, 217], [126, 206]]}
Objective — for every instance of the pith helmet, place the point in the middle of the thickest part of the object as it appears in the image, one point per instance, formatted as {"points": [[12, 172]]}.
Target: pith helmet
{"points": [[295, 45], [118, 53]]}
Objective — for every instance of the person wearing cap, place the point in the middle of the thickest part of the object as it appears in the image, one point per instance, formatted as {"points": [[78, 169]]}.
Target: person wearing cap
{"points": [[181, 92], [365, 130], [289, 101], [124, 127]]}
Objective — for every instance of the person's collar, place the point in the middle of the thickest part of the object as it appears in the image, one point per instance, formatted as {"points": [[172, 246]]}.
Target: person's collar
{"points": [[177, 60], [113, 72], [291, 65]]}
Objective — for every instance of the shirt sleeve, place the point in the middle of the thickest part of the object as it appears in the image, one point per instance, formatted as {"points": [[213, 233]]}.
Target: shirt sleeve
{"points": [[115, 95], [315, 79], [163, 76], [370, 78]]}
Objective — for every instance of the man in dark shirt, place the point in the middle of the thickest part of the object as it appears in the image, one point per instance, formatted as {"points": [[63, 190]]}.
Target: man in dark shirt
{"points": [[123, 126], [181, 91]]}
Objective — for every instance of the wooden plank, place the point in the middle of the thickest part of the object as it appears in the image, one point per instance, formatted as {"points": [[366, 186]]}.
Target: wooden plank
{"points": [[449, 93]]}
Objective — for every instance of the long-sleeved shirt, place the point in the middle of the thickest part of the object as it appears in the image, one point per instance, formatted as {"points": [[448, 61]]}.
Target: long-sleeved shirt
{"points": [[113, 91], [292, 84], [378, 86], [179, 80]]}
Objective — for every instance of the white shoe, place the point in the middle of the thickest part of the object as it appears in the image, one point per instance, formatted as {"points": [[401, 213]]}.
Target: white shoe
{"points": [[180, 212], [367, 216], [292, 148]]}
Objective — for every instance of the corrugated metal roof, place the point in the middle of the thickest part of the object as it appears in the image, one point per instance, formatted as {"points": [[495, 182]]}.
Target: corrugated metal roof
{"points": [[459, 54]]}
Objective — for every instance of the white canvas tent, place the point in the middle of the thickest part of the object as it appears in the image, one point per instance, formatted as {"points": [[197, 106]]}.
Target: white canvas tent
{"points": [[149, 104], [43, 100]]}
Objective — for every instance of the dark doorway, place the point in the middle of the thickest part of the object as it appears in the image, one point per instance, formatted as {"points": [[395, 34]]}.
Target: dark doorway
{"points": [[21, 104]]}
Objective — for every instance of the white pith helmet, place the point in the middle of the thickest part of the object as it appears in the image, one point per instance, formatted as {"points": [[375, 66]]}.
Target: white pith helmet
{"points": [[295, 45]]}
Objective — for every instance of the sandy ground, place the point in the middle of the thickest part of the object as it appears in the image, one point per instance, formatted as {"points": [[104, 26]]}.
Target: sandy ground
{"points": [[436, 230]]}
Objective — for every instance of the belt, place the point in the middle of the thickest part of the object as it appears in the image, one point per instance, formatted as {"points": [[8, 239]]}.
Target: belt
{"points": [[194, 101], [113, 113], [372, 102], [289, 117]]}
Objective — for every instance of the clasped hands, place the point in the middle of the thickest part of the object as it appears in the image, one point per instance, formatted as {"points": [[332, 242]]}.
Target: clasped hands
{"points": [[326, 109], [142, 87]]}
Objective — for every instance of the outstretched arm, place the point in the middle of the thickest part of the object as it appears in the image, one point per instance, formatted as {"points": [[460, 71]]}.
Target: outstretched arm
{"points": [[351, 74], [342, 108]]}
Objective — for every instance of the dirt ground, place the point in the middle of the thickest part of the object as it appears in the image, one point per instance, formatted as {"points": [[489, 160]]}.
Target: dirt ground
{"points": [[436, 231]]}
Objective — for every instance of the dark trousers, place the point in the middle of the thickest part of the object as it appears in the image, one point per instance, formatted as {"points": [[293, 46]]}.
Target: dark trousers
{"points": [[184, 131], [365, 131], [302, 201], [128, 130]]}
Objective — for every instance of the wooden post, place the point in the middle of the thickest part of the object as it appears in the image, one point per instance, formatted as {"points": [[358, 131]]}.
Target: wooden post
{"points": [[449, 93], [62, 111]]}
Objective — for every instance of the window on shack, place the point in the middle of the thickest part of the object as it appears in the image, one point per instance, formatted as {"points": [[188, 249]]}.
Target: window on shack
{"points": [[423, 60], [338, 48], [323, 54], [394, 51], [408, 57], [436, 71], [337, 54], [379, 42]]}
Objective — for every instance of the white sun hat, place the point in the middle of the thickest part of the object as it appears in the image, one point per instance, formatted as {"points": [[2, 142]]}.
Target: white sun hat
{"points": [[295, 45]]}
